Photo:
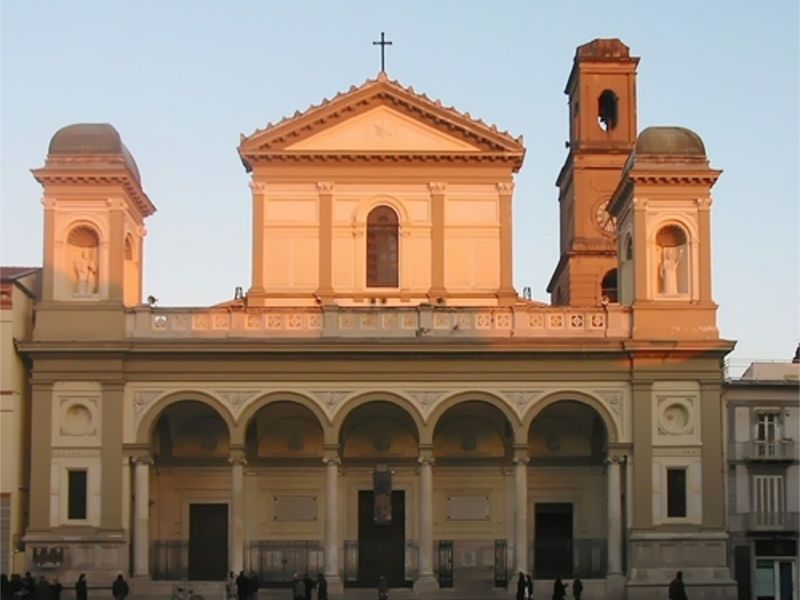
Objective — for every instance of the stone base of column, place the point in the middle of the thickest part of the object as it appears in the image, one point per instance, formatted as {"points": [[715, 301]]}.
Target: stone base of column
{"points": [[141, 587], [335, 586], [426, 584], [615, 585]]}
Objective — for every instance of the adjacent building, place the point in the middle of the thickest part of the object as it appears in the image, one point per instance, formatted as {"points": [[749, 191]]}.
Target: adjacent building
{"points": [[381, 401], [763, 446]]}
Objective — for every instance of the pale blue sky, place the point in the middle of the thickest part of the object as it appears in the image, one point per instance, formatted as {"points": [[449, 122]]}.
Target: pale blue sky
{"points": [[180, 80]]}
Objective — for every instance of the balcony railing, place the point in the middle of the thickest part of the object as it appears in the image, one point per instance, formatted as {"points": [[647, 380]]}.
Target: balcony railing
{"points": [[765, 521], [778, 450]]}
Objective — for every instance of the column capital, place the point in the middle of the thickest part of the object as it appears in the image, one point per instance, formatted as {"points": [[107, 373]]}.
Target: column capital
{"points": [[437, 188], [142, 459], [325, 187], [258, 187], [237, 461], [426, 460], [616, 459], [332, 460], [505, 188], [521, 460]]}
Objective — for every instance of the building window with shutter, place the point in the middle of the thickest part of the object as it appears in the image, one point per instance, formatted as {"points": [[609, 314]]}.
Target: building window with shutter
{"points": [[382, 248], [676, 493], [76, 499]]}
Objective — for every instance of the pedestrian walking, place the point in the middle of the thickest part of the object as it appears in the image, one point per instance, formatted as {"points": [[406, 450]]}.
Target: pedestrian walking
{"points": [[298, 588], [559, 589], [521, 586], [322, 587], [308, 586], [529, 586], [231, 591], [55, 590], [42, 589], [120, 588], [81, 591], [677, 591], [383, 588], [577, 588]]}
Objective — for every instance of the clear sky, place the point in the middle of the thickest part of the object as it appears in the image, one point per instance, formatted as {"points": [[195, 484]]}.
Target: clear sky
{"points": [[181, 80]]}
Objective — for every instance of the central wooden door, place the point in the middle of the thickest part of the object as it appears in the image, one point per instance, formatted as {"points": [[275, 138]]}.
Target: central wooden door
{"points": [[208, 542], [381, 548], [553, 543]]}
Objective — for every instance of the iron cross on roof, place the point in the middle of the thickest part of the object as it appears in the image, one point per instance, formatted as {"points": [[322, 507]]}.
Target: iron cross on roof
{"points": [[383, 43]]}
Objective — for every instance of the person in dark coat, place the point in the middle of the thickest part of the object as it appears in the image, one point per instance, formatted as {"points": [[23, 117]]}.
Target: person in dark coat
{"points": [[252, 586], [559, 589], [528, 586], [242, 585], [55, 590], [577, 588], [677, 591], [298, 589], [42, 589], [120, 588], [28, 585], [322, 587], [521, 586], [308, 587], [383, 588], [80, 587]]}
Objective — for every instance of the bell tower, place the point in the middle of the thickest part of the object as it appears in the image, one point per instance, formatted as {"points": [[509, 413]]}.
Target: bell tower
{"points": [[602, 109], [663, 209], [94, 212]]}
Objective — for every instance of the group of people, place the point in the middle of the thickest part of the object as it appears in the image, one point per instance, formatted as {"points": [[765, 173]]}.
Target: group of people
{"points": [[242, 586], [525, 588], [26, 587], [303, 587]]}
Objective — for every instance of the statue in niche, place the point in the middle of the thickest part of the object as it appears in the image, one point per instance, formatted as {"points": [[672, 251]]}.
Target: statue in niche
{"points": [[670, 262], [85, 272]]}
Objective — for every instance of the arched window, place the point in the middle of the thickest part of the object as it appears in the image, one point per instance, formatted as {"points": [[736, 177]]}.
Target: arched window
{"points": [[608, 288], [673, 261], [382, 247], [607, 110]]}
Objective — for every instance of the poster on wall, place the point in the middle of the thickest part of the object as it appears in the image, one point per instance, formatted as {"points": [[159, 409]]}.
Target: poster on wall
{"points": [[382, 490], [48, 558]]}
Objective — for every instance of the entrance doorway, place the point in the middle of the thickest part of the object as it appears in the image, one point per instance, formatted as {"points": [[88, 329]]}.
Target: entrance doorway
{"points": [[208, 541], [381, 548], [775, 579], [553, 544]]}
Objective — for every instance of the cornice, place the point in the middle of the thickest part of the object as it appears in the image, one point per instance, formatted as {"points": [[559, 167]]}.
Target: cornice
{"points": [[512, 159], [56, 176], [371, 93]]}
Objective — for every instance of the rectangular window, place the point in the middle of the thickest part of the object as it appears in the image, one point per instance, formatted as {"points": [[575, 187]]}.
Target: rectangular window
{"points": [[76, 500], [767, 433], [676, 492], [768, 500]]}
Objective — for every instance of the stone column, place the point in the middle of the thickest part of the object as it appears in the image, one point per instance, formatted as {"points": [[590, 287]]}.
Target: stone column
{"points": [[437, 290], [506, 294], [325, 198], [141, 516], [521, 511], [237, 462], [426, 581], [614, 515], [332, 462]]}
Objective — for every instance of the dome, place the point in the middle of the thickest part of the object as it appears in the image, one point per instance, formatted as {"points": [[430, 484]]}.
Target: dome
{"points": [[670, 140], [91, 139]]}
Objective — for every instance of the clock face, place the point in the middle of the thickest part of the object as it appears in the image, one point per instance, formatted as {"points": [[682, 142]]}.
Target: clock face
{"points": [[605, 222]]}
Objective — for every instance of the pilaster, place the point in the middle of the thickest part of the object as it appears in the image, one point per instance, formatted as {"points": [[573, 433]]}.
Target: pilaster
{"points": [[325, 290], [506, 294]]}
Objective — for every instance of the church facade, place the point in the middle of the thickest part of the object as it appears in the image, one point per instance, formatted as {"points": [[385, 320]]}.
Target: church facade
{"points": [[380, 401]]}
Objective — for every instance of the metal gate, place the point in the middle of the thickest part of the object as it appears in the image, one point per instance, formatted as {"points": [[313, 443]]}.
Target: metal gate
{"points": [[445, 573], [500, 563]]}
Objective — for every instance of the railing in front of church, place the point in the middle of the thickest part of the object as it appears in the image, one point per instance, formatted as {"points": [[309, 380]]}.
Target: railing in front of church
{"points": [[585, 557], [354, 576], [443, 323], [276, 562], [169, 559]]}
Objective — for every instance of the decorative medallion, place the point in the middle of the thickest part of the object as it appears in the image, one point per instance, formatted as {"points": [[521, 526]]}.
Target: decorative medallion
{"points": [[141, 399], [330, 398], [424, 398], [236, 399], [522, 398]]}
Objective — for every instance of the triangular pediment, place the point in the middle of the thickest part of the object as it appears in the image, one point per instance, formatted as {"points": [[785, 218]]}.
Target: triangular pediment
{"points": [[378, 120], [382, 129]]}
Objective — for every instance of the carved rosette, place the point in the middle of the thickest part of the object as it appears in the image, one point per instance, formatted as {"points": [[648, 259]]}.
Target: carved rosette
{"points": [[522, 399], [330, 399], [236, 400]]}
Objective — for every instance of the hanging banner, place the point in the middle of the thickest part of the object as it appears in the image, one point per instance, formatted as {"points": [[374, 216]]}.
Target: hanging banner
{"points": [[382, 490]]}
